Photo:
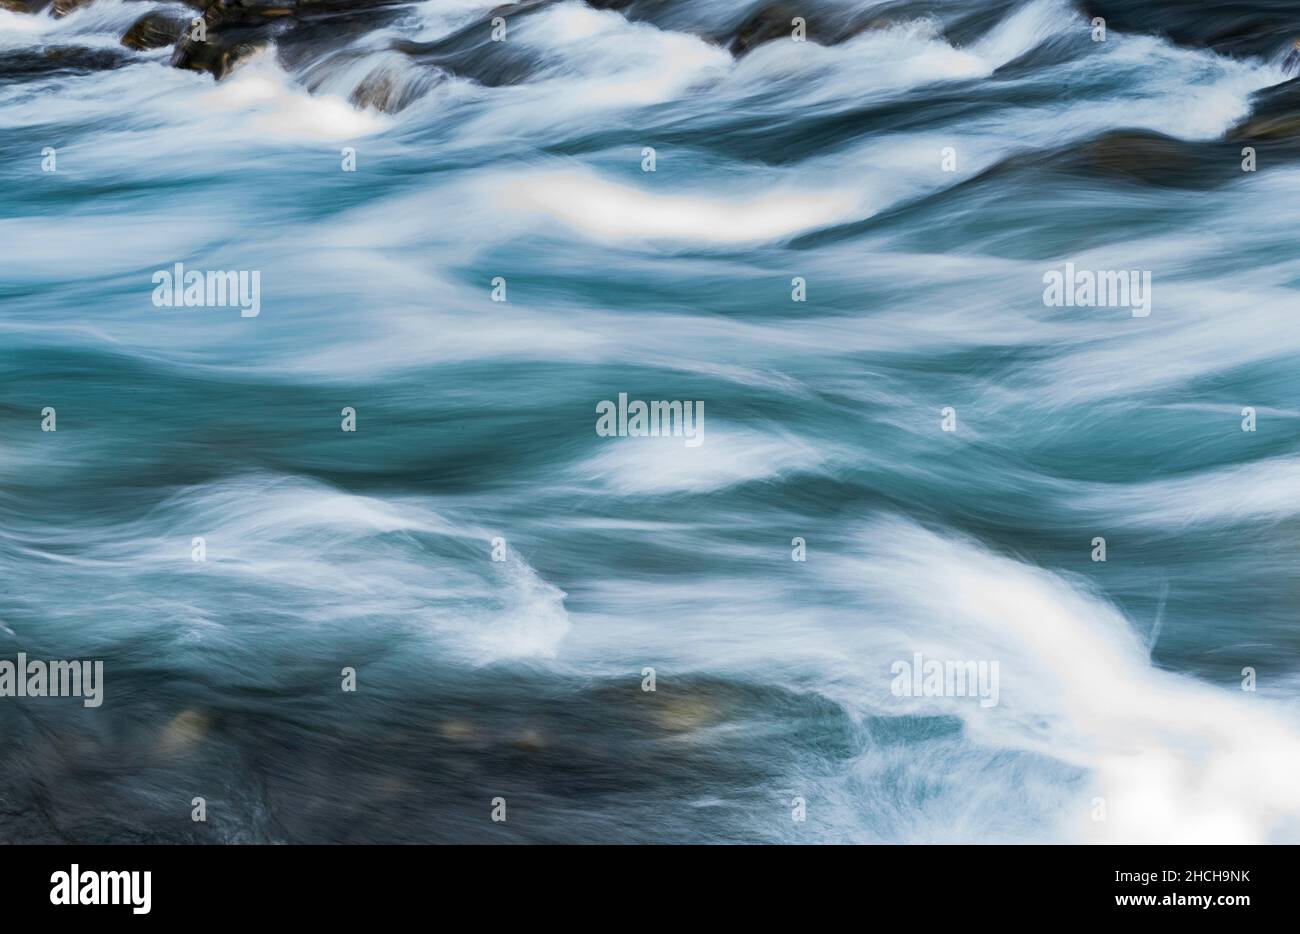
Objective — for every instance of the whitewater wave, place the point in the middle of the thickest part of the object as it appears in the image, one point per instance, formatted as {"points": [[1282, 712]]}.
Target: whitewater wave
{"points": [[1175, 760], [804, 262], [306, 560], [727, 456], [610, 211]]}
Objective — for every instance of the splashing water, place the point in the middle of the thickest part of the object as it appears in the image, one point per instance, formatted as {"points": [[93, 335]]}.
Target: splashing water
{"points": [[919, 167]]}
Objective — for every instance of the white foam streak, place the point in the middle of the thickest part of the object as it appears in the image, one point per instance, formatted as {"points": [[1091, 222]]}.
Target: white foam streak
{"points": [[1263, 491], [664, 465], [613, 211], [1176, 760], [262, 93], [318, 557]]}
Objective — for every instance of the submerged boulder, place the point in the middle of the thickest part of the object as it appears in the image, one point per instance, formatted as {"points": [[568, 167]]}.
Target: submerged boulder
{"points": [[21, 64], [388, 89], [217, 57], [829, 26], [1291, 64], [1148, 157], [1234, 27], [154, 30], [771, 22], [184, 733], [1137, 157], [24, 6], [1274, 117], [301, 30], [305, 37], [64, 7], [471, 52]]}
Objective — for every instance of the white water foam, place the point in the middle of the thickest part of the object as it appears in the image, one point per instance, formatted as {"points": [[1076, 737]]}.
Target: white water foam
{"points": [[727, 456], [1176, 760]]}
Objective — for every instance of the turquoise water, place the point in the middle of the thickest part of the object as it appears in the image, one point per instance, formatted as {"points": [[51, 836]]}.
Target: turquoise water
{"points": [[824, 421]]}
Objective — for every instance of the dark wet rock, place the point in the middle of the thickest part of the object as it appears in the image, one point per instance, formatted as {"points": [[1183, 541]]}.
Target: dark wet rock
{"points": [[1134, 156], [471, 53], [715, 22], [829, 22], [306, 38], [1291, 64], [508, 10], [1275, 115], [1237, 27], [596, 760], [58, 60], [825, 27], [962, 25], [64, 7], [771, 22], [223, 14], [301, 30], [154, 30], [219, 54], [232, 31], [1152, 159], [184, 733], [24, 6], [389, 90], [1085, 180]]}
